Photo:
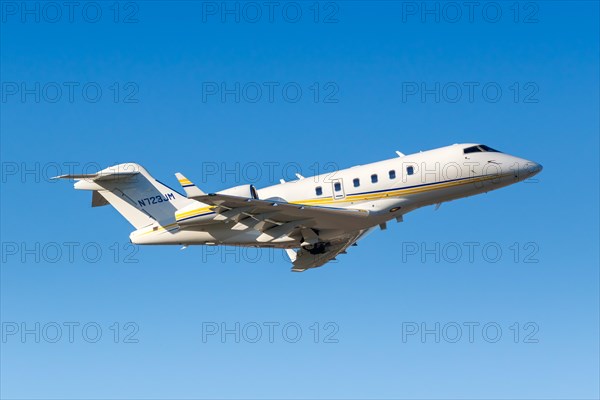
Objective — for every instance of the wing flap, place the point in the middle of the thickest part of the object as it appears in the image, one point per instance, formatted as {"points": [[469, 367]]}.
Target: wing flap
{"points": [[282, 230]]}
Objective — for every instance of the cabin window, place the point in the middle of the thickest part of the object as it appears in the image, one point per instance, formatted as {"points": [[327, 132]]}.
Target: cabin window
{"points": [[392, 174], [374, 178], [319, 190], [410, 170], [337, 186], [356, 182]]}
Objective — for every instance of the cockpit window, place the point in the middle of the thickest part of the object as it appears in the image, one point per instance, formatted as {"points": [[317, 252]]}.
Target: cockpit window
{"points": [[479, 149], [473, 149], [488, 148]]}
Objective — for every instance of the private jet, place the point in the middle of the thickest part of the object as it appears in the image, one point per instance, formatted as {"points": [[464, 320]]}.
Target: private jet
{"points": [[314, 219]]}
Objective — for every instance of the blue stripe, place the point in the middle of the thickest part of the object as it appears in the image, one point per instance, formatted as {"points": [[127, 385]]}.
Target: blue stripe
{"points": [[403, 187], [414, 186], [169, 187], [196, 216]]}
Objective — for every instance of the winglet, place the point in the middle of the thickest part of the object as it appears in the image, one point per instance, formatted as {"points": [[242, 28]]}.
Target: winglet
{"points": [[191, 190]]}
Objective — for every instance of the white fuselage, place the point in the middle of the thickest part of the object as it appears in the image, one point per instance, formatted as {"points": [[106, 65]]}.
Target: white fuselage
{"points": [[386, 189]]}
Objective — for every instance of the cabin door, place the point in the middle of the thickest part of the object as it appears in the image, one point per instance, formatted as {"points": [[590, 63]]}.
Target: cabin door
{"points": [[338, 189]]}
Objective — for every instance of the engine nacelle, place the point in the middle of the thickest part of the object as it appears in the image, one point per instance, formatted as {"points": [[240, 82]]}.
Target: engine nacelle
{"points": [[246, 191]]}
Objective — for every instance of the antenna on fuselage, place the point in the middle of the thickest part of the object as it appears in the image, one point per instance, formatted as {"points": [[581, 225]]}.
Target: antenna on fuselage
{"points": [[400, 154]]}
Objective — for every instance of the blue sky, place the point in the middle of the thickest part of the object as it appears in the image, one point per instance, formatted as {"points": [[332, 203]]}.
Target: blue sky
{"points": [[183, 86]]}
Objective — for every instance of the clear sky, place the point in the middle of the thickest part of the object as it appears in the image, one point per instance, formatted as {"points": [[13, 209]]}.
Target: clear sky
{"points": [[495, 296]]}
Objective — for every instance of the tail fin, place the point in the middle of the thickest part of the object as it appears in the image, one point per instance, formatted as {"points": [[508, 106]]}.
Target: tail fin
{"points": [[129, 188]]}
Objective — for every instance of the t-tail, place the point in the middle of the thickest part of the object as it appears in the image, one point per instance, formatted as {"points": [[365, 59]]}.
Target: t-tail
{"points": [[135, 194]]}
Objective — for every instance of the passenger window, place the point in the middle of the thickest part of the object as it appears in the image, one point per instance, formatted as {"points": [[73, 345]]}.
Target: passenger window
{"points": [[337, 186], [356, 182], [319, 190], [392, 174], [374, 178], [410, 170]]}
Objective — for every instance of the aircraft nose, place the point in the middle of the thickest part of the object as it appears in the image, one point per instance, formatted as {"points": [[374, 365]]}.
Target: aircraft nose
{"points": [[529, 169], [535, 168]]}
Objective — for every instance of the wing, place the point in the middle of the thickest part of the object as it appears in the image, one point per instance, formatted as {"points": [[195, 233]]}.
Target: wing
{"points": [[281, 222], [279, 206], [304, 259], [277, 220]]}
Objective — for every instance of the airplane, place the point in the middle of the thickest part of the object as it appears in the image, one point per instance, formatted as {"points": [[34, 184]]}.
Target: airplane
{"points": [[314, 219]]}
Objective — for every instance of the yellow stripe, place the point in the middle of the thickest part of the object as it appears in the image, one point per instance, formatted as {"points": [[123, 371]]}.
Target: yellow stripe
{"points": [[192, 212], [393, 193], [329, 200]]}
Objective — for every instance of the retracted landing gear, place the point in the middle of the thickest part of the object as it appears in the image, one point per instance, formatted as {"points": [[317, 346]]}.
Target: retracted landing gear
{"points": [[317, 248]]}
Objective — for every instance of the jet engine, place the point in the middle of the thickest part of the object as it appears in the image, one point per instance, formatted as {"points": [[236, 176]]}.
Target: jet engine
{"points": [[246, 191]]}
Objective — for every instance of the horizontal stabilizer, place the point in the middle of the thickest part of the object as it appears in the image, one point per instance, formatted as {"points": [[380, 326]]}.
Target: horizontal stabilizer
{"points": [[102, 176]]}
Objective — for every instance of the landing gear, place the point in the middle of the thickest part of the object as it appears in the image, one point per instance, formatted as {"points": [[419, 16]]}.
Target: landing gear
{"points": [[317, 248]]}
